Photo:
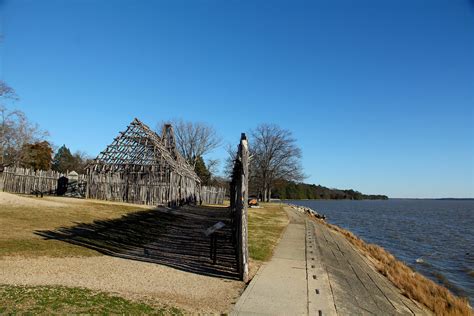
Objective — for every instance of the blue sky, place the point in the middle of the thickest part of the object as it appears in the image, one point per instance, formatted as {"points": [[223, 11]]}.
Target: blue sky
{"points": [[379, 94]]}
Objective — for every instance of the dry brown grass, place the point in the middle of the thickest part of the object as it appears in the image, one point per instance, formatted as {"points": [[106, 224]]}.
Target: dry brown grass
{"points": [[412, 284], [22, 216]]}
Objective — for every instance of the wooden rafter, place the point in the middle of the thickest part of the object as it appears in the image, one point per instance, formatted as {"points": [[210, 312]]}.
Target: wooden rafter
{"points": [[138, 146]]}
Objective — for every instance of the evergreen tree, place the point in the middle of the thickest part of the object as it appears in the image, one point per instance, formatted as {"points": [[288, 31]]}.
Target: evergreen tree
{"points": [[202, 171], [64, 161]]}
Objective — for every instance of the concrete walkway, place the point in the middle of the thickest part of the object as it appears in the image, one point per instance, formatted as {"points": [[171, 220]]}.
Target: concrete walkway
{"points": [[316, 271], [281, 286]]}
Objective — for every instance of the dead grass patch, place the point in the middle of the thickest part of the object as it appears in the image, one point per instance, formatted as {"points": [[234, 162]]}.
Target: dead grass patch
{"points": [[21, 216], [412, 284]]}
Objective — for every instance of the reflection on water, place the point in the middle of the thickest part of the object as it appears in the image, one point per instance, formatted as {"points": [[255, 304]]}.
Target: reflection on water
{"points": [[434, 237]]}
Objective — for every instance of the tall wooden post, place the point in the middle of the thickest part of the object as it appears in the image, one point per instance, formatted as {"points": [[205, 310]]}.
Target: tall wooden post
{"points": [[241, 208]]}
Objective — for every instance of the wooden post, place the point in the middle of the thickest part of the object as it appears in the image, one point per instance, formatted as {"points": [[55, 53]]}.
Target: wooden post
{"points": [[241, 192]]}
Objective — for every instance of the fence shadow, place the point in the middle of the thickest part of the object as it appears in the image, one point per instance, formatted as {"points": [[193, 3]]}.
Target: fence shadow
{"points": [[172, 237]]}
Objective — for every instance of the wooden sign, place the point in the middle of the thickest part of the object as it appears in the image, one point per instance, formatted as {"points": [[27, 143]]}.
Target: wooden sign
{"points": [[214, 228]]}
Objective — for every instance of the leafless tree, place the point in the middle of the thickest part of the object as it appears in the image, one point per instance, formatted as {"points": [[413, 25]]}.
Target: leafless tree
{"points": [[7, 92], [212, 166], [229, 162], [194, 139], [274, 156], [15, 129]]}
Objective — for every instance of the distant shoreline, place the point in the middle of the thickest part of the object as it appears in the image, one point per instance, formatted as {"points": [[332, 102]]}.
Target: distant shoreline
{"points": [[454, 199], [331, 199], [435, 199]]}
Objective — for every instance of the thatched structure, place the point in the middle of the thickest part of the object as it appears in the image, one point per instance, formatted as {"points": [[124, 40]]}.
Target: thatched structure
{"points": [[142, 167]]}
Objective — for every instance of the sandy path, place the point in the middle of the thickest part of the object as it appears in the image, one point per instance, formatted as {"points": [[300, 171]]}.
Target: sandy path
{"points": [[9, 199], [16, 200], [128, 278]]}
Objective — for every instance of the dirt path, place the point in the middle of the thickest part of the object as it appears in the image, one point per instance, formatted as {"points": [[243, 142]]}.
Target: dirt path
{"points": [[12, 200], [131, 279], [15, 200]]}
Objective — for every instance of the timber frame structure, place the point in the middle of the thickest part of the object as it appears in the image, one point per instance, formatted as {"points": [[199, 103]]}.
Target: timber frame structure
{"points": [[142, 167]]}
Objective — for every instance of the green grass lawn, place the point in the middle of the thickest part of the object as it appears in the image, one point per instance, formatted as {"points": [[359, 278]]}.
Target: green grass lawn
{"points": [[63, 300], [265, 227]]}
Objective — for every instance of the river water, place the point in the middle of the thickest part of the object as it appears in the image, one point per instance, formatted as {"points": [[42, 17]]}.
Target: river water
{"points": [[439, 233]]}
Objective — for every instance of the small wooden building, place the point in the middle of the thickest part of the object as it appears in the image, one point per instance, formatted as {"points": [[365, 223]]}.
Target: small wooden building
{"points": [[142, 167]]}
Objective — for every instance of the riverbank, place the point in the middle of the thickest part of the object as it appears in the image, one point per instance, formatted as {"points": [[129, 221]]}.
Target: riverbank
{"points": [[316, 271], [412, 284]]}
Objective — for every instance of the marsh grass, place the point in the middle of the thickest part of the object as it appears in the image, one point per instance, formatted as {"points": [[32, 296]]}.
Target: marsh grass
{"points": [[412, 284], [266, 225], [64, 300]]}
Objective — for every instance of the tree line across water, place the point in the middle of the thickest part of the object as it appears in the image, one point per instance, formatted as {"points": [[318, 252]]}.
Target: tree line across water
{"points": [[288, 190]]}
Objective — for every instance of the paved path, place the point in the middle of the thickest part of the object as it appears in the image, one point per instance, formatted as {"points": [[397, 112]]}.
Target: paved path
{"points": [[316, 271]]}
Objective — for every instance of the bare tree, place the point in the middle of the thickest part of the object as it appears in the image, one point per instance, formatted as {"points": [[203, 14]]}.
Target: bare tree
{"points": [[230, 160], [213, 166], [7, 92], [194, 139], [275, 156], [15, 129]]}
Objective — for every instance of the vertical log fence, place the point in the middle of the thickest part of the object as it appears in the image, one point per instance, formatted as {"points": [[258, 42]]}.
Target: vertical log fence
{"points": [[28, 181], [110, 186], [212, 195]]}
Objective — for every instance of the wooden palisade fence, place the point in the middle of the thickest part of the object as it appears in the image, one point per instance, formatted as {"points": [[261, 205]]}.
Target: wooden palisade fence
{"points": [[29, 181], [212, 195], [238, 205]]}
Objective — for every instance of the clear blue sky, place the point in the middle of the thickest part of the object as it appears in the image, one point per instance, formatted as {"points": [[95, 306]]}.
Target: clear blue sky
{"points": [[379, 94]]}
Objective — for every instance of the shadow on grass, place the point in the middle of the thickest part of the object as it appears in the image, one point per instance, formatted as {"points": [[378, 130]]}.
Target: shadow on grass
{"points": [[172, 237]]}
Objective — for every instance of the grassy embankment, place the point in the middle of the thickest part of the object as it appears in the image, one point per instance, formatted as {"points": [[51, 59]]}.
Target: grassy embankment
{"points": [[18, 223], [436, 298]]}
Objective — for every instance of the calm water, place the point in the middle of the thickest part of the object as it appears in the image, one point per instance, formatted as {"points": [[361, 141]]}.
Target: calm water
{"points": [[441, 232]]}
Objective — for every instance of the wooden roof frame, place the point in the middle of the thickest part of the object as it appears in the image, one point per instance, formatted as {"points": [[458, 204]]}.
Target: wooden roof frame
{"points": [[138, 147]]}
